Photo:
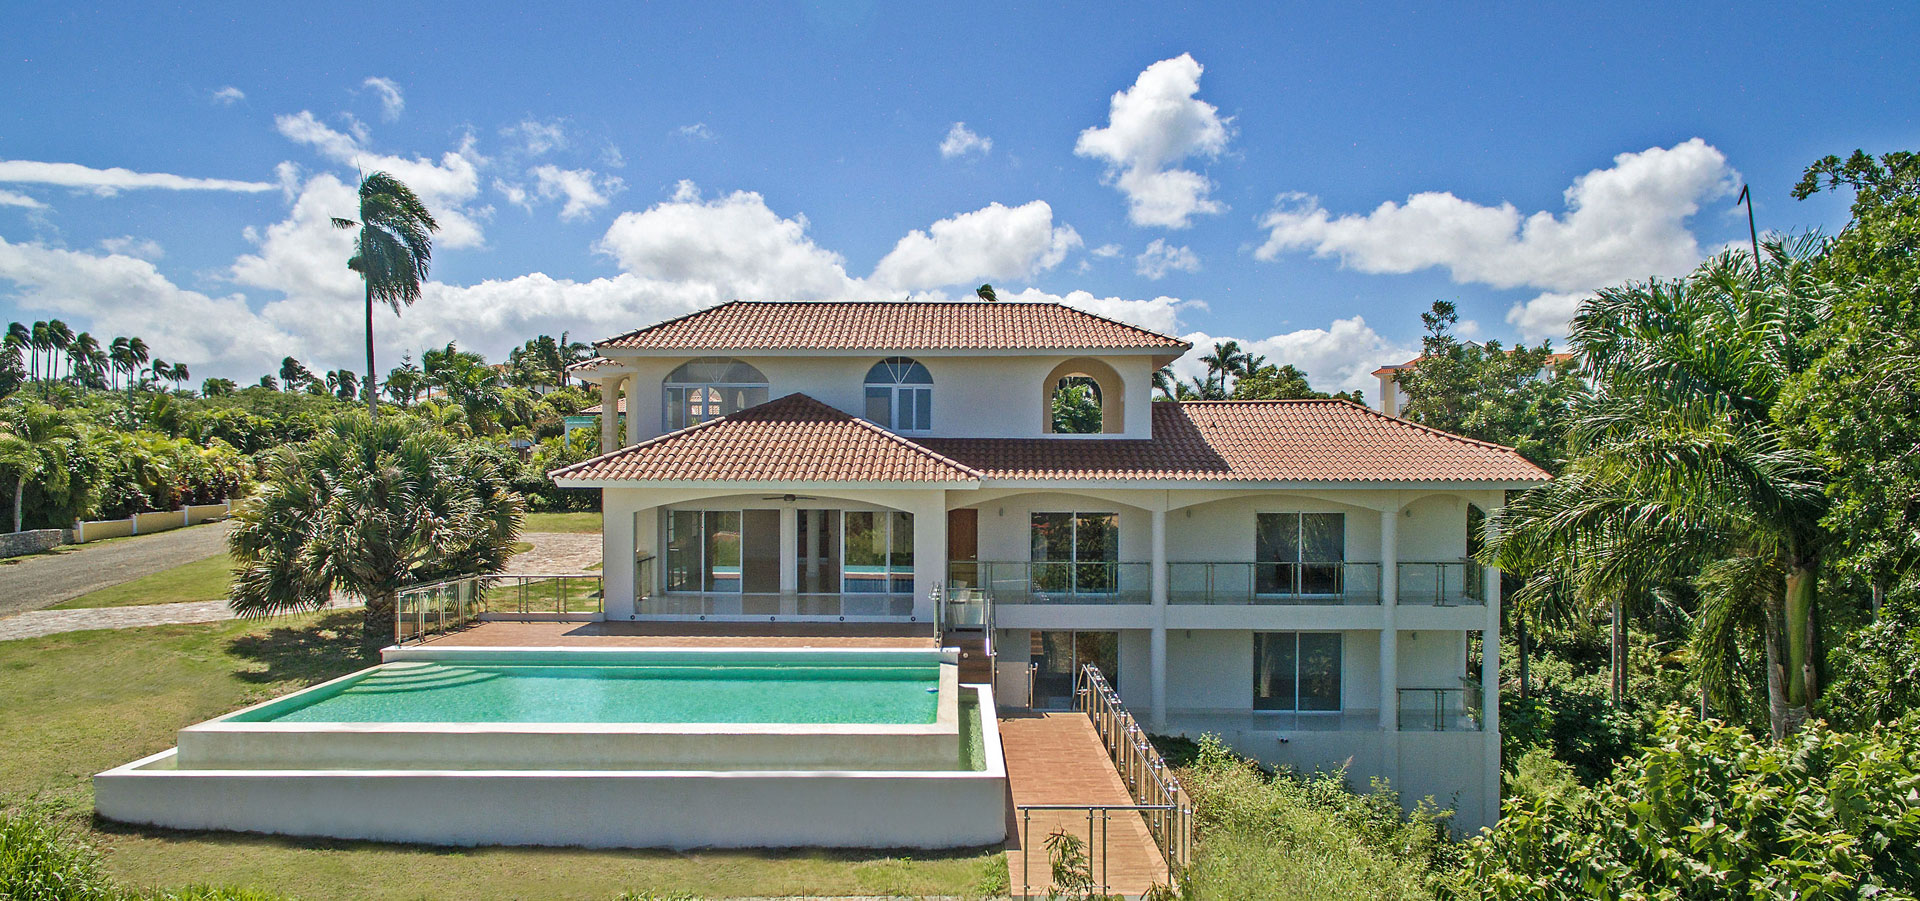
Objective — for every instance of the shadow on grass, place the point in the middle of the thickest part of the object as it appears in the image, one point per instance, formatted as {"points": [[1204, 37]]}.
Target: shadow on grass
{"points": [[310, 652]]}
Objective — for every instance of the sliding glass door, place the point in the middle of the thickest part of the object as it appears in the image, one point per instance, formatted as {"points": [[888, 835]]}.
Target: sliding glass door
{"points": [[1060, 655]]}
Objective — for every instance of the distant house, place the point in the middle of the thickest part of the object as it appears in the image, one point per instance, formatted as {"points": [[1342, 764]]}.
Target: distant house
{"points": [[589, 418], [1393, 397], [1290, 575]]}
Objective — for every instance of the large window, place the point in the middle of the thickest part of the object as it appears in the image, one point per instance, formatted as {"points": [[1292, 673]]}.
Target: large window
{"points": [[1076, 553], [709, 388], [900, 395], [703, 550], [879, 553], [1297, 671], [1300, 553]]}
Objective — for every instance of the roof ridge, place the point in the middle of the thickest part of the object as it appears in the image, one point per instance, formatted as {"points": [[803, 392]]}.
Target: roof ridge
{"points": [[1142, 332]]}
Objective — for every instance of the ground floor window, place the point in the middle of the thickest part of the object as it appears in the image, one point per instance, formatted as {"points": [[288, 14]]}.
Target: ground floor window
{"points": [[1296, 671], [879, 552], [703, 550], [1060, 654], [1077, 553], [1299, 553]]}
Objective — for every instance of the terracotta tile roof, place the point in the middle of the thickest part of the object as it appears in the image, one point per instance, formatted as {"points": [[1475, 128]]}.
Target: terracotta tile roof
{"points": [[891, 325], [790, 439], [1553, 359], [595, 409], [1280, 441]]}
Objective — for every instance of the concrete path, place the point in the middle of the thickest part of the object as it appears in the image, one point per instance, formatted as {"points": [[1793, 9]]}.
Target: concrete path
{"points": [[553, 552], [1057, 758], [42, 580]]}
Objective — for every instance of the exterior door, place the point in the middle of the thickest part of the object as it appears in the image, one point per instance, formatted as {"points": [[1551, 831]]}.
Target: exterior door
{"points": [[760, 552], [1060, 655], [963, 548]]}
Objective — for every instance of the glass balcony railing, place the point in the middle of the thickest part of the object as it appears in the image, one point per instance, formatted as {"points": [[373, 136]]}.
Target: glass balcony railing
{"points": [[1273, 583], [1059, 582], [1442, 584], [1440, 709]]}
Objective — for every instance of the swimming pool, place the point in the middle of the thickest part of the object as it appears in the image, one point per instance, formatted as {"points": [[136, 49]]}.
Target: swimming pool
{"points": [[657, 688], [603, 747]]}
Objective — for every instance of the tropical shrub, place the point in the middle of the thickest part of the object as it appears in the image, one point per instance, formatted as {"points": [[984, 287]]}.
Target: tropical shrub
{"points": [[1291, 836], [40, 861], [1709, 812]]}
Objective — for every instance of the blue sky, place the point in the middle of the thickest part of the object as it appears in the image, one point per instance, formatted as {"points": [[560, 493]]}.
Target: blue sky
{"points": [[1217, 171]]}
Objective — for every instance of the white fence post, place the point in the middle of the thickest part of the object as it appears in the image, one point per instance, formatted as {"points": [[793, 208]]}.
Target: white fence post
{"points": [[133, 520]]}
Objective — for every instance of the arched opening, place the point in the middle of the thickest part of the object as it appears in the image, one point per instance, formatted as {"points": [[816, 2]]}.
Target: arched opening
{"points": [[900, 395], [709, 388], [1084, 397]]}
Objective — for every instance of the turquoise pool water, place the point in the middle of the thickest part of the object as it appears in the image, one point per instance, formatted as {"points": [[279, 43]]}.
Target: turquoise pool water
{"points": [[678, 690]]}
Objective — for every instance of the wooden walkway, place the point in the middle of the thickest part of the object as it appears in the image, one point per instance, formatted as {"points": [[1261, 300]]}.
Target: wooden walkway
{"points": [[500, 634], [1057, 758]]}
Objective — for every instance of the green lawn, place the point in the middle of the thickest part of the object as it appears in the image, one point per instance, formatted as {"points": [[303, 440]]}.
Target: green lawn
{"points": [[81, 702], [201, 580], [562, 522]]}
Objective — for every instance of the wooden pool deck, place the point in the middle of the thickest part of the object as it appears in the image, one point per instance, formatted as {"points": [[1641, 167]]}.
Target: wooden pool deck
{"points": [[1057, 758], [684, 635]]}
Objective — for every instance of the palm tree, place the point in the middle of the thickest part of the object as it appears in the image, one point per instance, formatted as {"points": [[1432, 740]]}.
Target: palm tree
{"points": [[1226, 360], [405, 381], [1678, 472], [58, 336], [343, 383], [293, 375], [217, 387], [178, 374], [367, 508], [129, 354], [392, 252], [33, 444]]}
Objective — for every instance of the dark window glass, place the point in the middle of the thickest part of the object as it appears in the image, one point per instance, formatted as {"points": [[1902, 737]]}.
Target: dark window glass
{"points": [[1275, 670]]}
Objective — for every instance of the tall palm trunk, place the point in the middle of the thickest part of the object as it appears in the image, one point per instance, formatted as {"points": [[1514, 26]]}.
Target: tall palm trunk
{"points": [[373, 408], [19, 494], [1803, 684], [1617, 643]]}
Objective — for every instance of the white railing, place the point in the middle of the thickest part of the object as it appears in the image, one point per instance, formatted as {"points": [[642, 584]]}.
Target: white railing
{"points": [[423, 610], [1158, 796]]}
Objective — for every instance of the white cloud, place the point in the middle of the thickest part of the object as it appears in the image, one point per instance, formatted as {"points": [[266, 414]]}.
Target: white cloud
{"points": [[108, 182], [392, 102], [584, 190], [1160, 258], [993, 243], [612, 158], [961, 141], [138, 248], [10, 198], [698, 131], [515, 194], [1151, 127], [729, 247], [1627, 221], [1340, 357], [447, 186], [1546, 316], [1106, 251], [229, 96], [537, 137], [1159, 314]]}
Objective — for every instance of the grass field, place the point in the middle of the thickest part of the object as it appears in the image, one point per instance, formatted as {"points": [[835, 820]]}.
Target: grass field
{"points": [[562, 522], [201, 580], [80, 702]]}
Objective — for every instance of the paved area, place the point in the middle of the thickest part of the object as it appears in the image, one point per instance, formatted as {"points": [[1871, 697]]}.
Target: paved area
{"points": [[688, 635], [1057, 758], [42, 580], [20, 616]]}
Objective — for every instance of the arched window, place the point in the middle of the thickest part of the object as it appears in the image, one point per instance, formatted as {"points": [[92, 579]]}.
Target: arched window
{"points": [[708, 388], [900, 395], [1083, 397]]}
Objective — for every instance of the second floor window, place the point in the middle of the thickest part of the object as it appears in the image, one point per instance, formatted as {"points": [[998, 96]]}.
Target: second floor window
{"points": [[900, 395], [1076, 553], [1300, 553], [709, 388]]}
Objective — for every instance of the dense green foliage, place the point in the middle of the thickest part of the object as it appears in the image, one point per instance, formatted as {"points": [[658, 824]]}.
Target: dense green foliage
{"points": [[1518, 397], [40, 861], [1288, 836], [1237, 374], [367, 508], [1710, 812]]}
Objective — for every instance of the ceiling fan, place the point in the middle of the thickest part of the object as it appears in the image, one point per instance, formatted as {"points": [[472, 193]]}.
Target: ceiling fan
{"points": [[789, 498]]}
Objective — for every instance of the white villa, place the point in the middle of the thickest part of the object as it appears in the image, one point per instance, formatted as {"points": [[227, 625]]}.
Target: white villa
{"points": [[1291, 575]]}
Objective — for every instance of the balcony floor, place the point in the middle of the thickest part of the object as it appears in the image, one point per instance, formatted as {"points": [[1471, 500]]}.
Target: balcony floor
{"points": [[688, 635]]}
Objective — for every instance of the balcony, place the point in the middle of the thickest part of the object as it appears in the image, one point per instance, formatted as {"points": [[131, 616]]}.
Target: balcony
{"points": [[774, 607], [1441, 709], [1442, 584], [1016, 582], [1273, 583]]}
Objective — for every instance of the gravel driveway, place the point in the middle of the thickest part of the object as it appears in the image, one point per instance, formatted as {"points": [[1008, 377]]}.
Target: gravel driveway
{"points": [[42, 580]]}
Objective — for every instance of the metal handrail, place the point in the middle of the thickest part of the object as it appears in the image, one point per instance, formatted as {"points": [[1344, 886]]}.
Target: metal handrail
{"points": [[433, 607], [1100, 814], [1270, 582], [1160, 797]]}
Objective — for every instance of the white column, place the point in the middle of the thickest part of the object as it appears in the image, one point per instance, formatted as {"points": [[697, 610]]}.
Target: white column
{"points": [[617, 553], [609, 411], [789, 550], [1157, 639], [929, 551], [1490, 687], [634, 406], [1389, 628]]}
